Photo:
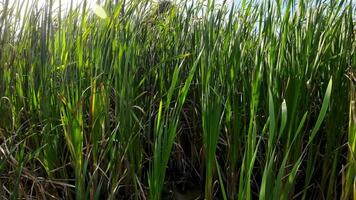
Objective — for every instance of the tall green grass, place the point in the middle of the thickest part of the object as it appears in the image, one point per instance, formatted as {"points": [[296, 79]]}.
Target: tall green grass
{"points": [[178, 100]]}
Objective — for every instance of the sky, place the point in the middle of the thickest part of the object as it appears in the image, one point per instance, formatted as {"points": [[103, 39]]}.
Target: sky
{"points": [[91, 3], [66, 3]]}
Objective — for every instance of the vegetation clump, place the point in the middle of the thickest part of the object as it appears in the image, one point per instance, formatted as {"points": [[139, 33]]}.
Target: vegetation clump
{"points": [[178, 100]]}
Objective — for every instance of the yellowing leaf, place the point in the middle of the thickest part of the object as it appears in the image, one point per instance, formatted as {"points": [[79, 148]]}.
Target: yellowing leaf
{"points": [[99, 11]]}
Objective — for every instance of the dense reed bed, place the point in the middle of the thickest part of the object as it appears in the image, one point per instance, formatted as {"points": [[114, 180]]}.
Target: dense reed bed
{"points": [[183, 100]]}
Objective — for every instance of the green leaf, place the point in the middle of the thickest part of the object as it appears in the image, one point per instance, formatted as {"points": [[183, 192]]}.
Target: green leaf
{"points": [[99, 11], [323, 110], [284, 117]]}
